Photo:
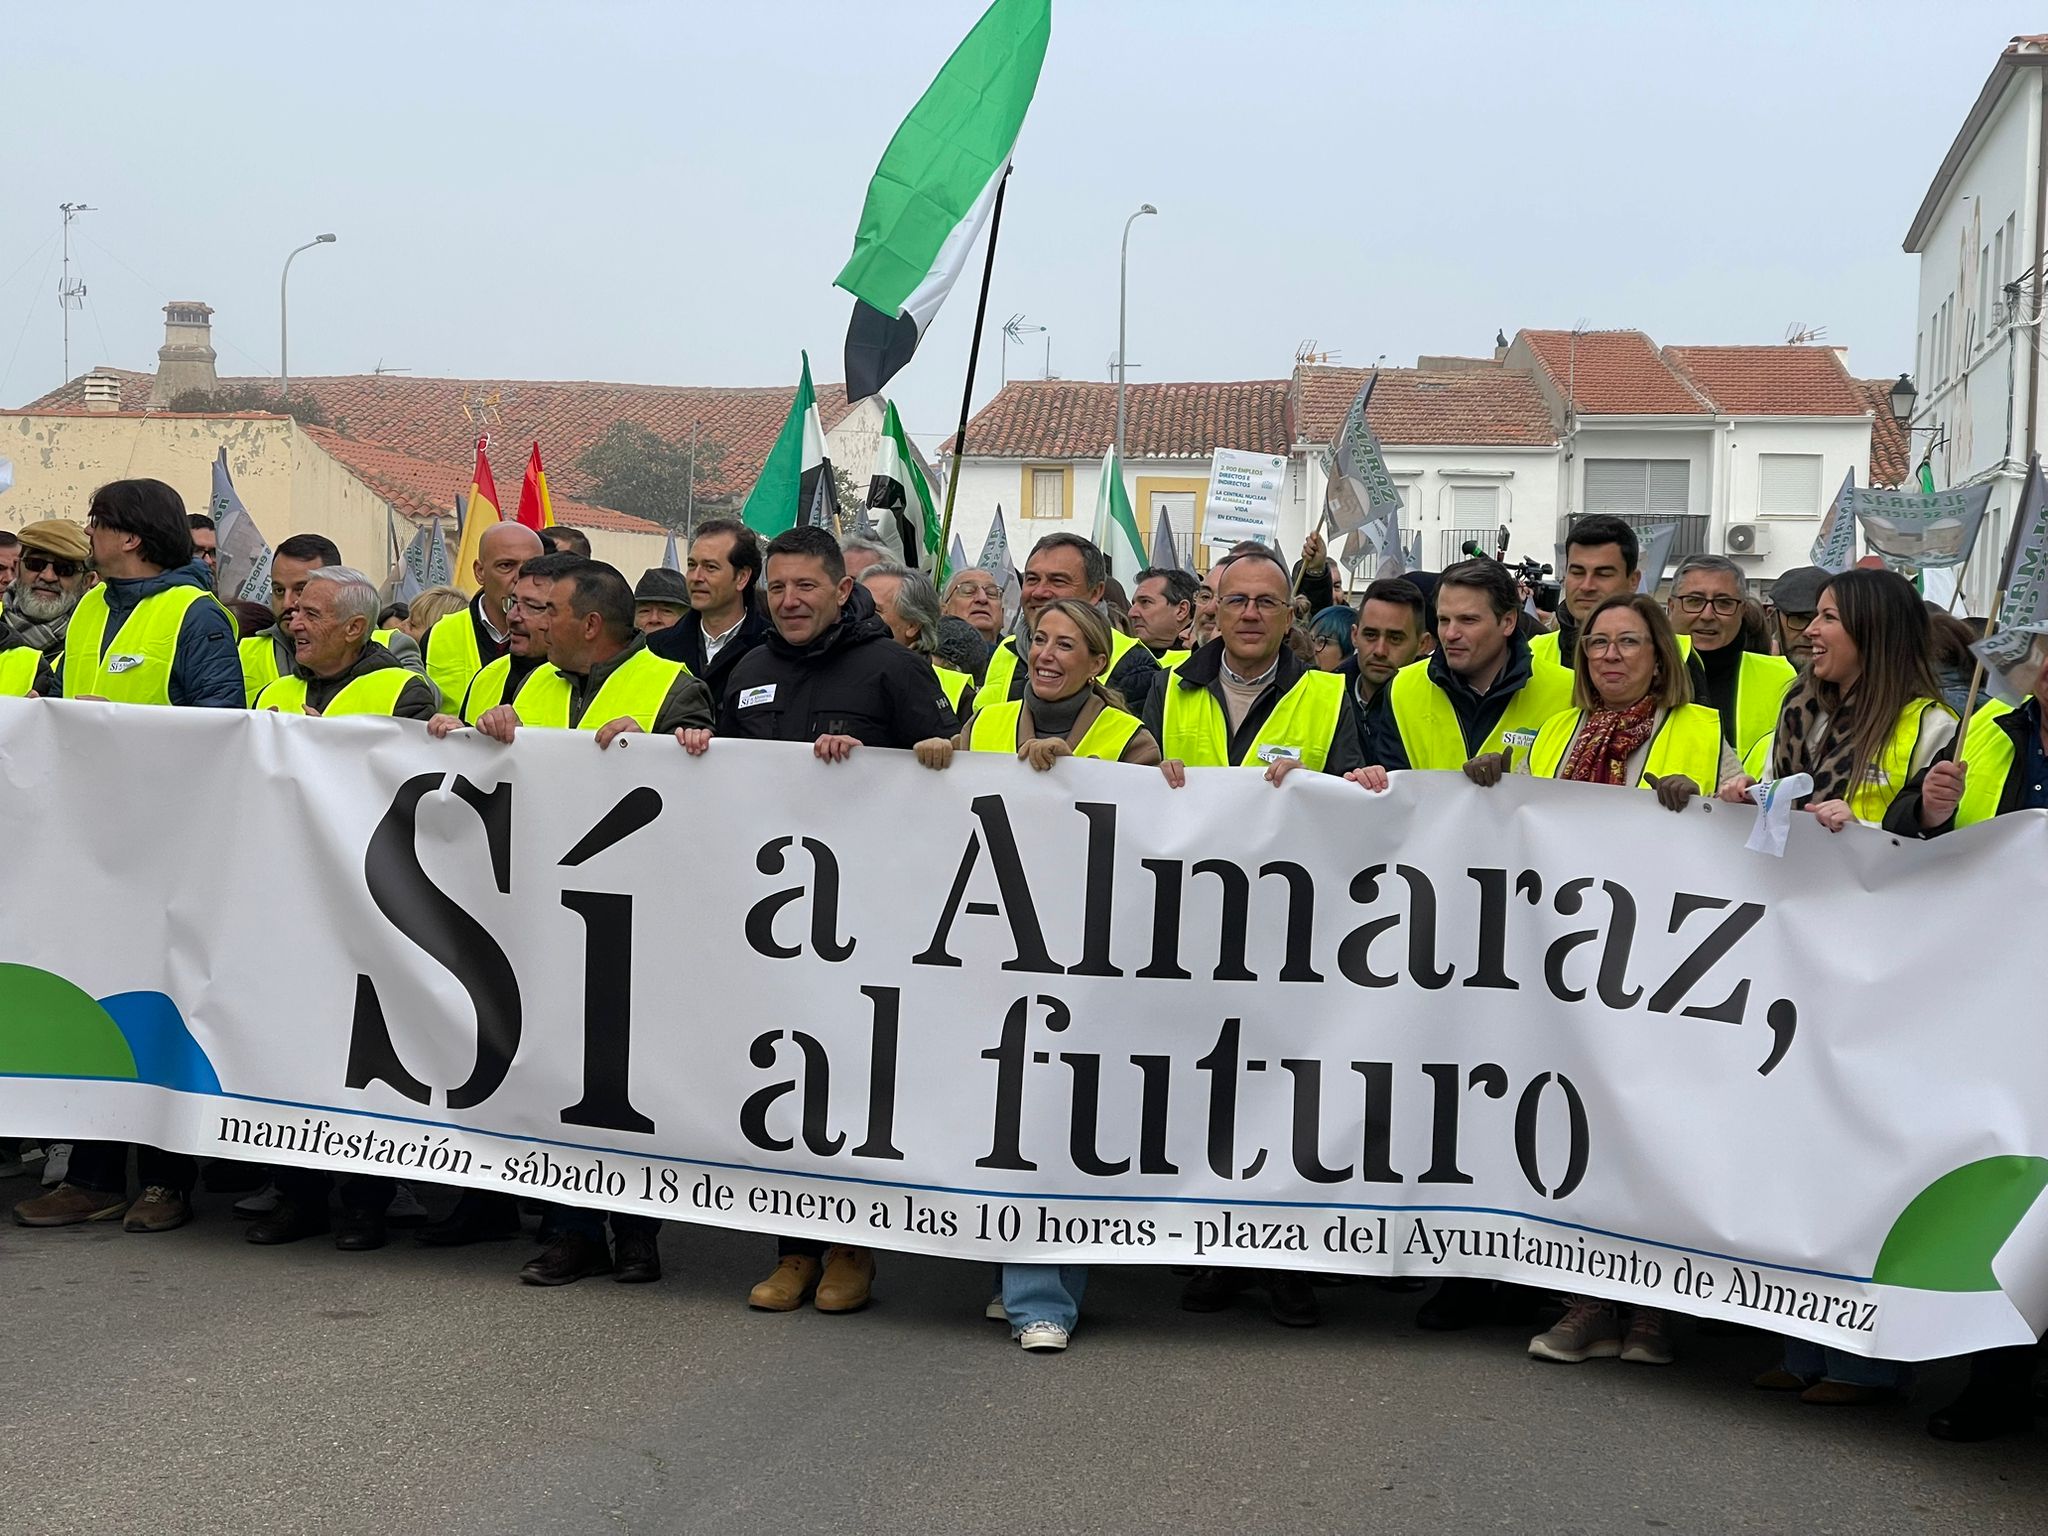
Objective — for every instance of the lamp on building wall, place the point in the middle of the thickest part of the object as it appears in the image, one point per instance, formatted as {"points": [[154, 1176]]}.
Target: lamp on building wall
{"points": [[1903, 396]]}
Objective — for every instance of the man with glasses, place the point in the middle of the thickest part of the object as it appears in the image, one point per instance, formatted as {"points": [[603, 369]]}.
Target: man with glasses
{"points": [[1246, 700], [972, 595], [1795, 598], [1065, 565], [459, 645], [205, 541], [52, 574], [1708, 594]]}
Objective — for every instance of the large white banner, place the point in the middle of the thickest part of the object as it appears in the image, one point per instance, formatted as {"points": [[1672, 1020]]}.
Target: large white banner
{"points": [[1546, 1032]]}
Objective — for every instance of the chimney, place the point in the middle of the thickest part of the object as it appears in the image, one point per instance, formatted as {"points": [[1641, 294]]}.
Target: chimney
{"points": [[102, 393], [185, 361]]}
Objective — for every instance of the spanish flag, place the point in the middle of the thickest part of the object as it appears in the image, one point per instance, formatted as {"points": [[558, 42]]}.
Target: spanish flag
{"points": [[481, 512], [536, 511]]}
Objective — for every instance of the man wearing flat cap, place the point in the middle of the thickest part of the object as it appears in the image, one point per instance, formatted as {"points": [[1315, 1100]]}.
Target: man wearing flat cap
{"points": [[53, 573], [660, 600]]}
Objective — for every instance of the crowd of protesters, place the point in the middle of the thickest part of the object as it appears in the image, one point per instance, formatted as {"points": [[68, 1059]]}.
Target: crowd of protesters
{"points": [[1850, 678]]}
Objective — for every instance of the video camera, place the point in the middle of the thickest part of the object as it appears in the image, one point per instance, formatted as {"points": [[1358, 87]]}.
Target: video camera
{"points": [[1544, 591]]}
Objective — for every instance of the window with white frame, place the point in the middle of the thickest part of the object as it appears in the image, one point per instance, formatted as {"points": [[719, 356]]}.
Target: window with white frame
{"points": [[1788, 484], [1623, 487]]}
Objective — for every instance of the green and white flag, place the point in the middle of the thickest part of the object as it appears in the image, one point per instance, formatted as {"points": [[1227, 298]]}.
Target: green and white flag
{"points": [[795, 485], [1116, 525], [900, 498], [935, 188]]}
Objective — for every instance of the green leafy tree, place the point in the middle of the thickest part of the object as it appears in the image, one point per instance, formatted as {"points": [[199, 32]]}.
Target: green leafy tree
{"points": [[634, 470], [256, 395]]}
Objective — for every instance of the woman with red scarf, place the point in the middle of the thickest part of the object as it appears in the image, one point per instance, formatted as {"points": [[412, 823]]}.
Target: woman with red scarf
{"points": [[1632, 723]]}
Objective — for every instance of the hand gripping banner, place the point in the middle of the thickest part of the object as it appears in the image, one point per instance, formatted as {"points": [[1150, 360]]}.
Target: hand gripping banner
{"points": [[1546, 1032]]}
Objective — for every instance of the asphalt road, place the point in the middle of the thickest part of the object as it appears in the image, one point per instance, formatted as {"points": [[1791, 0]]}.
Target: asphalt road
{"points": [[188, 1383]]}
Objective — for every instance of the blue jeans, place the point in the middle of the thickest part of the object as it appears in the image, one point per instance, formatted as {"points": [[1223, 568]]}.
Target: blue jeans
{"points": [[1043, 1293], [1816, 1362]]}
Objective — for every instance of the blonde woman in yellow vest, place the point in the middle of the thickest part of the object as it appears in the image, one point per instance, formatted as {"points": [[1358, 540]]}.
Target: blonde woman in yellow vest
{"points": [[1065, 711], [1632, 720], [1865, 717]]}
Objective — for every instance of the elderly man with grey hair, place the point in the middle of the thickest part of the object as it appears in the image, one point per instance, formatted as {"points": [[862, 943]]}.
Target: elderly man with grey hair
{"points": [[863, 554], [1747, 689], [337, 668], [908, 602]]}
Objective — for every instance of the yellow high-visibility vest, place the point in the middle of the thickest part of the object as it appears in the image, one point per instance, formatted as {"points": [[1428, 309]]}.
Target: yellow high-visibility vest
{"points": [[487, 689], [374, 693], [18, 671], [1688, 742], [1988, 756], [1196, 730], [953, 684], [452, 656], [635, 689], [136, 665], [259, 666], [995, 730], [1430, 733]]}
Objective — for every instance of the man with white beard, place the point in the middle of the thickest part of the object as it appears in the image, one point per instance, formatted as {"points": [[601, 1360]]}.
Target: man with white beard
{"points": [[54, 572]]}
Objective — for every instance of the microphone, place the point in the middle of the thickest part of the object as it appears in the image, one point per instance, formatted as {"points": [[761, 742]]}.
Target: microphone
{"points": [[1470, 550]]}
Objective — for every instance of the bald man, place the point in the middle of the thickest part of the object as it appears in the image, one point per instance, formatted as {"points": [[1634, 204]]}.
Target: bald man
{"points": [[462, 644]]}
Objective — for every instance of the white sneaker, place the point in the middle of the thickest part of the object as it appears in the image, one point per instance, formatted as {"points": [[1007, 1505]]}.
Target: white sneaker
{"points": [[57, 1165], [1046, 1336], [262, 1203], [995, 1311]]}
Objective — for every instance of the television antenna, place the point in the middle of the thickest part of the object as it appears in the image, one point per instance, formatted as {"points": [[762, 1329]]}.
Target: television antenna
{"points": [[1307, 354], [1800, 334], [380, 370], [1015, 329], [70, 295]]}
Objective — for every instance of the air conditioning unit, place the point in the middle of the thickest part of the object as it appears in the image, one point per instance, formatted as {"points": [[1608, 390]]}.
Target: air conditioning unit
{"points": [[1749, 539]]}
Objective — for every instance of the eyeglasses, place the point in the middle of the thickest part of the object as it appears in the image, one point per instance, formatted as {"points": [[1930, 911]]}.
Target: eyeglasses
{"points": [[1620, 645], [64, 569], [977, 589], [1324, 642], [1262, 604], [1723, 604], [1797, 620]]}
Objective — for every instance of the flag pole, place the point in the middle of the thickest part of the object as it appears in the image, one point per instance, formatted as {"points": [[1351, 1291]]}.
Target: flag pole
{"points": [[988, 267], [1294, 588]]}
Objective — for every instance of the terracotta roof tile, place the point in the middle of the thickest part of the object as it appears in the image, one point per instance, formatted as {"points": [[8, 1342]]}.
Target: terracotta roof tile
{"points": [[1424, 406], [1613, 373], [424, 418], [1891, 453], [1076, 419], [1771, 381]]}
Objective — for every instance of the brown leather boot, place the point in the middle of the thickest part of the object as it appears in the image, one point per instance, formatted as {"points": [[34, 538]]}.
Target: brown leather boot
{"points": [[849, 1277], [785, 1290]]}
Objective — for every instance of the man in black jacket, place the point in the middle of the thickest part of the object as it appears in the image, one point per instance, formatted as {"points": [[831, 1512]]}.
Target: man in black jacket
{"points": [[724, 622], [830, 674]]}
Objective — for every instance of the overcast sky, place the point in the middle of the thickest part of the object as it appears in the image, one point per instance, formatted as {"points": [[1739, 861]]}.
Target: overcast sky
{"points": [[664, 192]]}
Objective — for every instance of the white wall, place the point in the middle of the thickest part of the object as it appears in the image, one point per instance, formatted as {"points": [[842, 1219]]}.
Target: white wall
{"points": [[1525, 479], [1688, 438], [1971, 373], [1841, 443]]}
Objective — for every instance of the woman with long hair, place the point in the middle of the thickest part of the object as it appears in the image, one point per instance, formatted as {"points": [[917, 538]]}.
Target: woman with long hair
{"points": [[1866, 715]]}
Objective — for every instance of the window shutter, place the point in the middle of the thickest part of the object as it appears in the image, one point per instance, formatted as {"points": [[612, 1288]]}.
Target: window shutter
{"points": [[1475, 506], [1614, 485], [1669, 482], [1788, 484]]}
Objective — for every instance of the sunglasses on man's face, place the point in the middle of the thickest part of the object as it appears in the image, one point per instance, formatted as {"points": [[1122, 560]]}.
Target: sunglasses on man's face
{"points": [[64, 569]]}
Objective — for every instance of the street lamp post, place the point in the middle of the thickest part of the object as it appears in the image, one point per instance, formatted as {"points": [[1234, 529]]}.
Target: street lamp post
{"points": [[1123, 283], [283, 353]]}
